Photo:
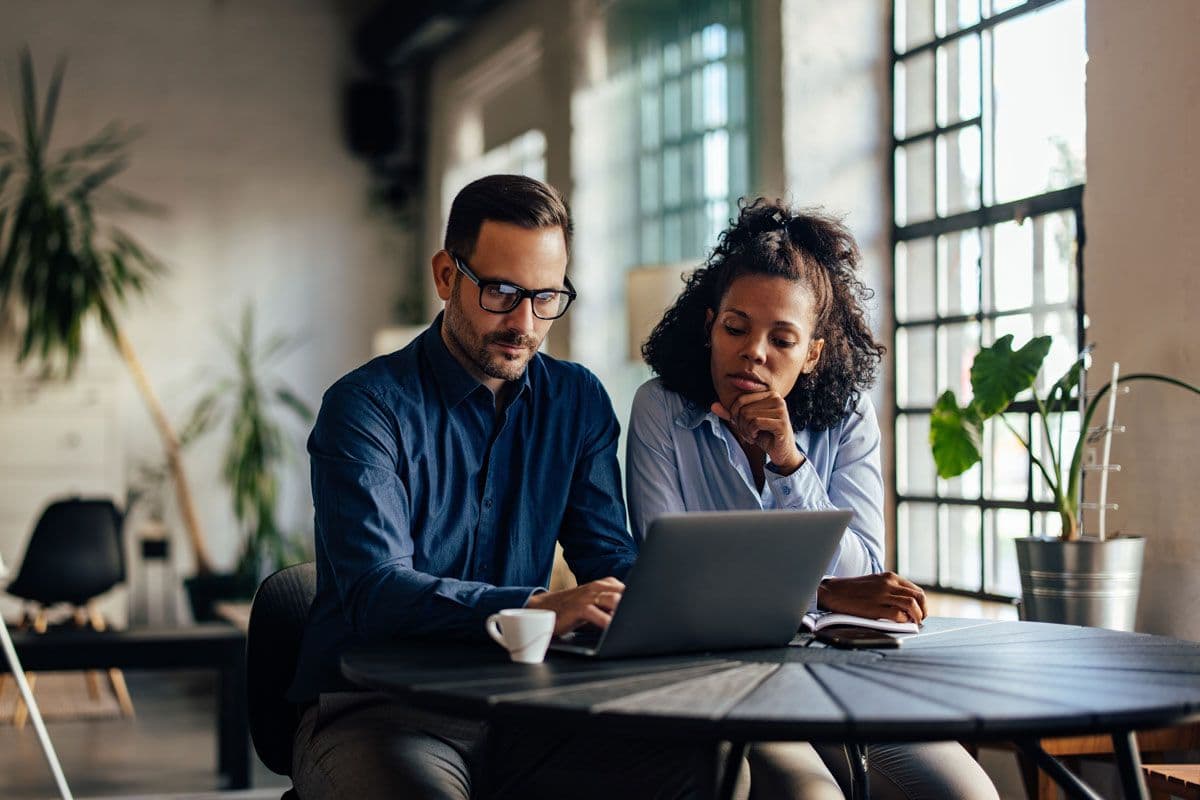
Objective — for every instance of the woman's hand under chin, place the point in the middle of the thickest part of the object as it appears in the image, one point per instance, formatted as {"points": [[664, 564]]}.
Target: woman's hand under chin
{"points": [[762, 419], [884, 595]]}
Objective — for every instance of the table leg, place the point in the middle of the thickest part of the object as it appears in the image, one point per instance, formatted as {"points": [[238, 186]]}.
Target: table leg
{"points": [[730, 770], [1129, 762], [860, 780], [233, 723], [1070, 783]]}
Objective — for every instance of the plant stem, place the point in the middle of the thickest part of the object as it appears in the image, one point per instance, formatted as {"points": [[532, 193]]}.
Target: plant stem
{"points": [[183, 494], [1037, 462], [1043, 414]]}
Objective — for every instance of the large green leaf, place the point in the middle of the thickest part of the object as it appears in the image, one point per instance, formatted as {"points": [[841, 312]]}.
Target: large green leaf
{"points": [[954, 435], [998, 374]]}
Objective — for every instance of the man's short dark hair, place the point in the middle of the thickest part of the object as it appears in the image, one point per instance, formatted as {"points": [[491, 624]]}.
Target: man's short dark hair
{"points": [[514, 199]]}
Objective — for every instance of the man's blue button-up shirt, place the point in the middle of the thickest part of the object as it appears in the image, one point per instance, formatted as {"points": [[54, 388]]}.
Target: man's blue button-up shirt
{"points": [[432, 510]]}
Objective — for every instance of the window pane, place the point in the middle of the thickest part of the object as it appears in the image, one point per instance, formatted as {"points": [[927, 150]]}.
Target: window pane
{"points": [[716, 164], [651, 241], [915, 470], [718, 219], [1012, 272], [961, 527], [992, 7], [914, 23], [694, 102], [960, 171], [914, 95], [914, 182], [715, 93], [1059, 284], [1039, 66], [650, 120], [1004, 526], [672, 177], [957, 346], [714, 41], [953, 15], [737, 94], [958, 273], [672, 58], [958, 80], [1064, 431], [739, 158], [651, 189], [917, 537], [672, 110], [1047, 524], [691, 171], [1060, 326], [672, 237], [914, 280], [914, 366], [1007, 474]]}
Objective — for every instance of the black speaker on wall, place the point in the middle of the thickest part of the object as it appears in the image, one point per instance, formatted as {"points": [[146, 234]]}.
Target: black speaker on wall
{"points": [[373, 118]]}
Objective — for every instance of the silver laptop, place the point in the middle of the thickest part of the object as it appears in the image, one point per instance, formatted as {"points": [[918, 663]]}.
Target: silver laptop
{"points": [[718, 581]]}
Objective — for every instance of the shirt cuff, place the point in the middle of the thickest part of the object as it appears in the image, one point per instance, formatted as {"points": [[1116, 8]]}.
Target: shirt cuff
{"points": [[502, 597], [802, 489]]}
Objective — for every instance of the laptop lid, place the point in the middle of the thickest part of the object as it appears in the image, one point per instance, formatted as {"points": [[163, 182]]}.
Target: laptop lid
{"points": [[722, 581]]}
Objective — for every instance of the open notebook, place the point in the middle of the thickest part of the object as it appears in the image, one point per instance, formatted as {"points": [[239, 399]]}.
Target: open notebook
{"points": [[816, 620]]}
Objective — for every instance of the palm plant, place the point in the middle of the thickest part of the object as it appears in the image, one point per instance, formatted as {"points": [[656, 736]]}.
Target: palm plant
{"points": [[61, 265], [257, 447], [998, 375]]}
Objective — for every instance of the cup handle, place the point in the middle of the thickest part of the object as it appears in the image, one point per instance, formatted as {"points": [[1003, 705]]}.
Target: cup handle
{"points": [[492, 626]]}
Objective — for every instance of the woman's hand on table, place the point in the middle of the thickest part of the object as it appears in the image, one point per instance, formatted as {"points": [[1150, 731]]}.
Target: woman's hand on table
{"points": [[884, 595]]}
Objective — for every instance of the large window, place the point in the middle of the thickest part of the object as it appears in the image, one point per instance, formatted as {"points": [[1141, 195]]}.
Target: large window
{"points": [[988, 196], [693, 153]]}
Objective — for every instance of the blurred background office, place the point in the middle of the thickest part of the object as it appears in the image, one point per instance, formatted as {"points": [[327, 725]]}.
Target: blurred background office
{"points": [[1006, 166]]}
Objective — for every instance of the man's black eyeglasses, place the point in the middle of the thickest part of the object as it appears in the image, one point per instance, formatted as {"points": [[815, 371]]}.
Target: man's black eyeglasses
{"points": [[501, 297]]}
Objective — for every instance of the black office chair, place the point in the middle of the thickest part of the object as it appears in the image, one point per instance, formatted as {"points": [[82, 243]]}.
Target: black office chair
{"points": [[74, 555], [277, 616]]}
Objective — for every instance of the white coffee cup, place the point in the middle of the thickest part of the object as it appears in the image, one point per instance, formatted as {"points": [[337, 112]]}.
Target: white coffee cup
{"points": [[524, 632]]}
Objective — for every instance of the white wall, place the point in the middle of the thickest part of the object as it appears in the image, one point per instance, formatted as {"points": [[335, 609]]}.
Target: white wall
{"points": [[240, 102], [837, 142], [1142, 284]]}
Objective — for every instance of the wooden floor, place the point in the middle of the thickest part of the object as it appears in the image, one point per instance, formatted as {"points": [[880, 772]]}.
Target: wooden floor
{"points": [[167, 750]]}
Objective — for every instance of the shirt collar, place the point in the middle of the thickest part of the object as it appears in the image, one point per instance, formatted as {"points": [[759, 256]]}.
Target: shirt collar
{"points": [[692, 415], [452, 377]]}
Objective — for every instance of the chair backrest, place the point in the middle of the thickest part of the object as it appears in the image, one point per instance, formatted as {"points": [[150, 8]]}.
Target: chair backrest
{"points": [[74, 554], [277, 616]]}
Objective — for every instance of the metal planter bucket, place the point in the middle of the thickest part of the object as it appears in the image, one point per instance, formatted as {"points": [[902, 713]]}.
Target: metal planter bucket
{"points": [[1085, 582]]}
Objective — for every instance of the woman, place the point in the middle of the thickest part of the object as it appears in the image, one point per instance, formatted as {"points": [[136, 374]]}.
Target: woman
{"points": [[759, 404]]}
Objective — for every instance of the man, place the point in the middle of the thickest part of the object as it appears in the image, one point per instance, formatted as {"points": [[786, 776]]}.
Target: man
{"points": [[442, 476]]}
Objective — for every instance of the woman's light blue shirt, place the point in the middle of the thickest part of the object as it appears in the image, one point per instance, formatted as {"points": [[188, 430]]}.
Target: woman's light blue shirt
{"points": [[680, 458]]}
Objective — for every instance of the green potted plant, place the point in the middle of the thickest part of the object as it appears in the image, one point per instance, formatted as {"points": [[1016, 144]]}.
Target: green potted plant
{"points": [[250, 400], [61, 265], [1080, 580]]}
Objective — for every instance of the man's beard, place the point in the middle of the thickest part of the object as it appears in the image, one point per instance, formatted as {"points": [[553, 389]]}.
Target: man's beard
{"points": [[503, 366]]}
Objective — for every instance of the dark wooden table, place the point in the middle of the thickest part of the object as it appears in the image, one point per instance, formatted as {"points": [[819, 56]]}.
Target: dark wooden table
{"points": [[216, 646], [967, 680]]}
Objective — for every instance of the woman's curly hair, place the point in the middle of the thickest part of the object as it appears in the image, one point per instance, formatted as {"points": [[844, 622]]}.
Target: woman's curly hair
{"points": [[807, 246]]}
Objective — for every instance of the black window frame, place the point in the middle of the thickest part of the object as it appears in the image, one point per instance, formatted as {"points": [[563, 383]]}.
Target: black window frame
{"points": [[1069, 199]]}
